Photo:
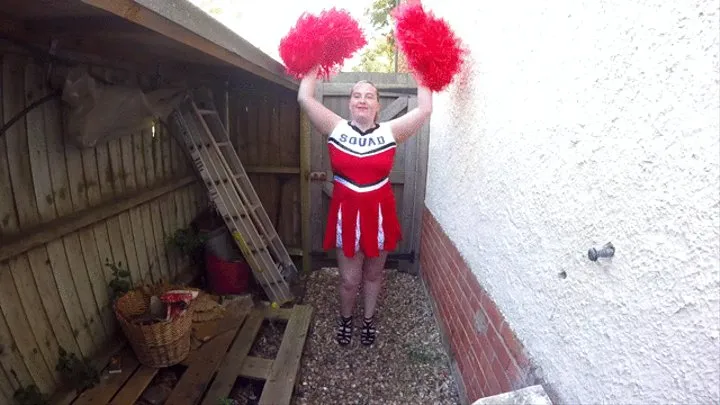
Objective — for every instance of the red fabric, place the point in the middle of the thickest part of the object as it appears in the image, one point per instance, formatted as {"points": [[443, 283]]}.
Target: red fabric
{"points": [[326, 40], [369, 162], [430, 46], [368, 205]]}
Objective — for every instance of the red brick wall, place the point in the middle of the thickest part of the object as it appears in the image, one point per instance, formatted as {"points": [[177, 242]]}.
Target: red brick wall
{"points": [[489, 358]]}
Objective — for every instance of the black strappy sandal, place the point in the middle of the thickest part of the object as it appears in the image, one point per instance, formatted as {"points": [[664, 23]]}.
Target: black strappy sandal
{"points": [[367, 333], [344, 331]]}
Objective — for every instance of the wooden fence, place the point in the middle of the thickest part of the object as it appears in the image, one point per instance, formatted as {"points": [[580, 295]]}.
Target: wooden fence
{"points": [[64, 213], [264, 129]]}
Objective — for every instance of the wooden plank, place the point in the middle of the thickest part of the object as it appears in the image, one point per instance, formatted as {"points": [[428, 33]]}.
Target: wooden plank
{"points": [[125, 181], [257, 169], [167, 202], [327, 188], [110, 245], [205, 362], [136, 13], [281, 382], [55, 229], [395, 108], [232, 364], [144, 176], [49, 297], [135, 386], [102, 275], [57, 249], [305, 210], [24, 336], [344, 89], [44, 284], [8, 214], [80, 242], [408, 198], [11, 359], [318, 144], [6, 389], [151, 211], [423, 143], [106, 390], [158, 207], [37, 146], [179, 202], [205, 331], [256, 368], [17, 144]]}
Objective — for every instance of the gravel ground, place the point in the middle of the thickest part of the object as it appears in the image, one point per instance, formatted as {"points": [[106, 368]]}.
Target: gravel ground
{"points": [[406, 365]]}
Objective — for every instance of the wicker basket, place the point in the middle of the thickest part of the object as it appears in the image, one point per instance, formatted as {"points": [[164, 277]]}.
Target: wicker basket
{"points": [[161, 344]]}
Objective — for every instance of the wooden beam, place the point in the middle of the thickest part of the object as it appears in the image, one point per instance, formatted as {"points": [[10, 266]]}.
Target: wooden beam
{"points": [[256, 368], [328, 188], [272, 169], [283, 373], [395, 108], [344, 89], [134, 12], [293, 251], [106, 25], [50, 231], [305, 227]]}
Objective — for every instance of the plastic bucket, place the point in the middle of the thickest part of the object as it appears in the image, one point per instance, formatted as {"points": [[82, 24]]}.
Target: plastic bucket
{"points": [[227, 277]]}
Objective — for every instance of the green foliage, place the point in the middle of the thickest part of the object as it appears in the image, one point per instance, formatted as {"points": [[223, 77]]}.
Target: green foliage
{"points": [[78, 374], [379, 13], [120, 284], [226, 401], [186, 241], [379, 56], [29, 395]]}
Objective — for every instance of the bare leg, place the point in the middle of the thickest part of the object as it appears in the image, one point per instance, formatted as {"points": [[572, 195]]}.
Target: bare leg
{"points": [[350, 278], [373, 271]]}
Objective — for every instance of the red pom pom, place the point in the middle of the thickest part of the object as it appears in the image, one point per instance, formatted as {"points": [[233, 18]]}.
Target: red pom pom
{"points": [[432, 49], [325, 40]]}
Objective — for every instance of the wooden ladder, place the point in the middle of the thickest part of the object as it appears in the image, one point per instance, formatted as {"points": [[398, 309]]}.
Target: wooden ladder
{"points": [[229, 188]]}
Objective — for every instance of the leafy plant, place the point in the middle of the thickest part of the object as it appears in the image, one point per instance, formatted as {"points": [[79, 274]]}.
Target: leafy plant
{"points": [[186, 241], [226, 401], [29, 395], [78, 374], [120, 284]]}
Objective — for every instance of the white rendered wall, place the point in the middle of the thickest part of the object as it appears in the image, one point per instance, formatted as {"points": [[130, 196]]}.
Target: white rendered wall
{"points": [[576, 124]]}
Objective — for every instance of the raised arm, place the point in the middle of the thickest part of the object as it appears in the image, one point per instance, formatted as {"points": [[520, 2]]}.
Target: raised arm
{"points": [[320, 116], [405, 126]]}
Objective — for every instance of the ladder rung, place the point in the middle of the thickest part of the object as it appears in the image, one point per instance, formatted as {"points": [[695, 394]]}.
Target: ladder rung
{"points": [[236, 200]]}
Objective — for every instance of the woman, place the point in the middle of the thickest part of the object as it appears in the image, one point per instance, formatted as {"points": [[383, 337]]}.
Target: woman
{"points": [[362, 222]]}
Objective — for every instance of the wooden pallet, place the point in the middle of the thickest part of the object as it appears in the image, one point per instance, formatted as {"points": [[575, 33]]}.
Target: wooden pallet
{"points": [[215, 364]]}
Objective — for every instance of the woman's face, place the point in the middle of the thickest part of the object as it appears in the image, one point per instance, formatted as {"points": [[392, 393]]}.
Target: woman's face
{"points": [[364, 103]]}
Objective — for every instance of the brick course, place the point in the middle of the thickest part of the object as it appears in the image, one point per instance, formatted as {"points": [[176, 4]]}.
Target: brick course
{"points": [[489, 358]]}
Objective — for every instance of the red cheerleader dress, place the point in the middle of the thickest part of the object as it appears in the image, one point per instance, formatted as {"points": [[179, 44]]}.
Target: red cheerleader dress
{"points": [[362, 214]]}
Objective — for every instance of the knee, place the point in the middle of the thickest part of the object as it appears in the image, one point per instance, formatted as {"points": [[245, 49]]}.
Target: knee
{"points": [[350, 283], [373, 275]]}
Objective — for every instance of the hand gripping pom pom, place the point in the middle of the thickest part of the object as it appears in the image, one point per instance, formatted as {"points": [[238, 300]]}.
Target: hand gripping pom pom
{"points": [[432, 49], [325, 40]]}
